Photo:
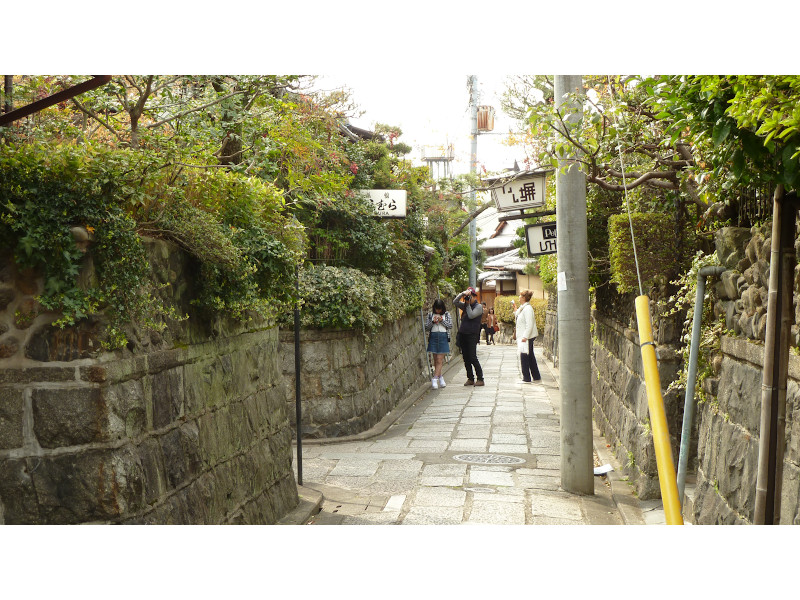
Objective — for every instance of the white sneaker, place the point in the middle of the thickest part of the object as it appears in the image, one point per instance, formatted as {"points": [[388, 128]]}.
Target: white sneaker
{"points": [[435, 383], [441, 382]]}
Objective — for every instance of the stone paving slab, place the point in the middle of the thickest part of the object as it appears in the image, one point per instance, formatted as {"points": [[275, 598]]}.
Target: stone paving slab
{"points": [[408, 474], [438, 496], [497, 513], [491, 478], [434, 515]]}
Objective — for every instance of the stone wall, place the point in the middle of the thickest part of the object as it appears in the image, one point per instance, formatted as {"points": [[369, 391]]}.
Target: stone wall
{"points": [[186, 426], [550, 337], [349, 382], [620, 403], [728, 436], [619, 395]]}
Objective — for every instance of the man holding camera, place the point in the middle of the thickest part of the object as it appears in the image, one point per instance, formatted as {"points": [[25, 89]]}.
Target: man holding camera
{"points": [[469, 333]]}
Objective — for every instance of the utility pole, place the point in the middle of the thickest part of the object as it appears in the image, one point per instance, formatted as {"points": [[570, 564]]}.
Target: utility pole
{"points": [[473, 168], [577, 472]]}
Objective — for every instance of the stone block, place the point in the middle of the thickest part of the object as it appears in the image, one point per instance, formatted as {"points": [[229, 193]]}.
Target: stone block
{"points": [[151, 458], [126, 409], [324, 411], [9, 346], [90, 486], [167, 397], [69, 416], [315, 357], [12, 406], [52, 343], [7, 296], [18, 501]]}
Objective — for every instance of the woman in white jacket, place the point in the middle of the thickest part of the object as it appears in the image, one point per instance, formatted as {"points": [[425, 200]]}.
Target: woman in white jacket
{"points": [[526, 332]]}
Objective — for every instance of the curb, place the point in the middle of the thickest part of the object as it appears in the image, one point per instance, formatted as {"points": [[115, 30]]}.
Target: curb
{"points": [[387, 421], [310, 504], [626, 503]]}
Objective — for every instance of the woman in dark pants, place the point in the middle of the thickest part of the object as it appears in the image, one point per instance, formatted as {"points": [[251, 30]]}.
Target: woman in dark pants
{"points": [[526, 333], [469, 333]]}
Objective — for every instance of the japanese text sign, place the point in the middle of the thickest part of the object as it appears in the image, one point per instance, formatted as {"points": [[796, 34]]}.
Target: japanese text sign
{"points": [[389, 204], [520, 193], [541, 238]]}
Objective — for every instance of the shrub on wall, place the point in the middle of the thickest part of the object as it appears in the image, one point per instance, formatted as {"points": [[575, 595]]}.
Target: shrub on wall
{"points": [[346, 298], [233, 225], [503, 309], [540, 308], [505, 312], [655, 247]]}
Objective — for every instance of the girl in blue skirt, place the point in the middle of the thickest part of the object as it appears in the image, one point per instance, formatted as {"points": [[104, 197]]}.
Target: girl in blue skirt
{"points": [[439, 324]]}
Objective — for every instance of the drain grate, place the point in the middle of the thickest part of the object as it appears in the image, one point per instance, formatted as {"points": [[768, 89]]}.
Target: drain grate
{"points": [[489, 459]]}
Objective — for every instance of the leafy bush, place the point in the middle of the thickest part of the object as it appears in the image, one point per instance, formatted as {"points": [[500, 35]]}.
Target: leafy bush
{"points": [[45, 191], [655, 248], [503, 309], [505, 312], [234, 225], [345, 298], [540, 308]]}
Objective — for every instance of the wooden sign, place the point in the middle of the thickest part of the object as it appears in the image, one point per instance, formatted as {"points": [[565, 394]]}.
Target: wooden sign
{"points": [[389, 204], [520, 193]]}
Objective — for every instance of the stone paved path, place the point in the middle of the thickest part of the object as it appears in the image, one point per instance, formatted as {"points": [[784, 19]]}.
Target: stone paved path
{"points": [[412, 474]]}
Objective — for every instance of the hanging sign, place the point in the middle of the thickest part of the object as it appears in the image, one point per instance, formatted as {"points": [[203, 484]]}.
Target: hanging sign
{"points": [[523, 192], [389, 204], [541, 238]]}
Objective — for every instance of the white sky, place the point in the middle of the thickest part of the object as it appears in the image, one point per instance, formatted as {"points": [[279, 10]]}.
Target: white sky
{"points": [[432, 109]]}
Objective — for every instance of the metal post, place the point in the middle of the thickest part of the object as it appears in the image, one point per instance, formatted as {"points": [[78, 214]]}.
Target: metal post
{"points": [[473, 168], [577, 473], [691, 377], [776, 361], [297, 395]]}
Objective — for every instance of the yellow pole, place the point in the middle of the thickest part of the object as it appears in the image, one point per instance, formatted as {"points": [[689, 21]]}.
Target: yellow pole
{"points": [[658, 417]]}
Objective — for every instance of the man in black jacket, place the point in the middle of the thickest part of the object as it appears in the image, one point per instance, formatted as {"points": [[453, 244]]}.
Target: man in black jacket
{"points": [[469, 333]]}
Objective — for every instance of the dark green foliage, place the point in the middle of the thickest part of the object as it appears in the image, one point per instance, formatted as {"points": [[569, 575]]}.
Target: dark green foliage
{"points": [[44, 192], [656, 248]]}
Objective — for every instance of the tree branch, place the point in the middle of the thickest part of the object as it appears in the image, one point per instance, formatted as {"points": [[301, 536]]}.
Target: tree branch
{"points": [[186, 112], [97, 118], [470, 218]]}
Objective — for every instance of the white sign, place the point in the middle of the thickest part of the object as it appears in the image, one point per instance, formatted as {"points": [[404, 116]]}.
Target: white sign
{"points": [[390, 204], [519, 194], [541, 238], [562, 281]]}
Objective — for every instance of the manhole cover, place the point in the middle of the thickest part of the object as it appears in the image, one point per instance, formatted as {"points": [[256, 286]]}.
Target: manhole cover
{"points": [[484, 490], [489, 459]]}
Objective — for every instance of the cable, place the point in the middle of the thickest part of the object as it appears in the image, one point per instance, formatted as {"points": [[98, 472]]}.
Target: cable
{"points": [[625, 189]]}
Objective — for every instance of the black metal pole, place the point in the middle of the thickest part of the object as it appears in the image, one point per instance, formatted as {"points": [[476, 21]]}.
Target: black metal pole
{"points": [[297, 375]]}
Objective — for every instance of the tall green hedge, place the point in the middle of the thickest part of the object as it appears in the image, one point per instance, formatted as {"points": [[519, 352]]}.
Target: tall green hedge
{"points": [[656, 249]]}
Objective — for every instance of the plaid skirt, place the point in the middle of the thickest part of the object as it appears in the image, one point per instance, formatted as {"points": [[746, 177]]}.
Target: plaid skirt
{"points": [[437, 343]]}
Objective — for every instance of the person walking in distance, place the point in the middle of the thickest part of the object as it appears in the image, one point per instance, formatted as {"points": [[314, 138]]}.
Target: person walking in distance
{"points": [[484, 317], [526, 332], [491, 323], [469, 332], [439, 324]]}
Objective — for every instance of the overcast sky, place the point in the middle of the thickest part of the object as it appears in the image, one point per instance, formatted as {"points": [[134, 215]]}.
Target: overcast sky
{"points": [[432, 109]]}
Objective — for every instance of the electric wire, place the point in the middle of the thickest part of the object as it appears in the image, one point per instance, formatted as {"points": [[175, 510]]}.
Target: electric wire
{"points": [[625, 188]]}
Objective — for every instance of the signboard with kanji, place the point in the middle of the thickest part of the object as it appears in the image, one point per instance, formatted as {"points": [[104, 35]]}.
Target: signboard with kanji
{"points": [[541, 238], [520, 193], [389, 204]]}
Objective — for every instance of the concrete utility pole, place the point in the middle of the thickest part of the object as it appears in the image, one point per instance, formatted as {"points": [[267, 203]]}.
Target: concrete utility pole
{"points": [[473, 168], [577, 465]]}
